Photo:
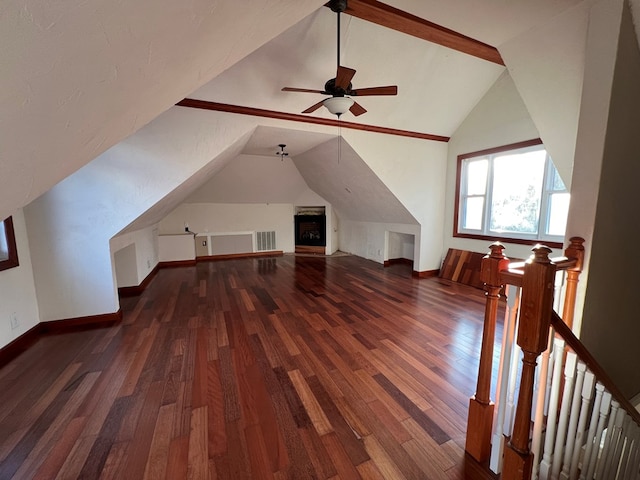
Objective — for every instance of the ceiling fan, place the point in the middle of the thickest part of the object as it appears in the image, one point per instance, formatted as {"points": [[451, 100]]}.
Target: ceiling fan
{"points": [[340, 87]]}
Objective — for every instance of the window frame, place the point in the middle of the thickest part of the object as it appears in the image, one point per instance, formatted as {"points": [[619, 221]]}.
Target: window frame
{"points": [[506, 237], [12, 260]]}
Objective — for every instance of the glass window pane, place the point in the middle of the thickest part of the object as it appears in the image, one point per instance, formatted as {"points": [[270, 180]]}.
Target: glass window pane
{"points": [[558, 213], [4, 247], [473, 213], [556, 182], [477, 177], [517, 189]]}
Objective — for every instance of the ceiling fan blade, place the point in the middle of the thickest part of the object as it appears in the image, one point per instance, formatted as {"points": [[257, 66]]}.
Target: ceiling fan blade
{"points": [[361, 92], [302, 90], [314, 107], [357, 109], [344, 76]]}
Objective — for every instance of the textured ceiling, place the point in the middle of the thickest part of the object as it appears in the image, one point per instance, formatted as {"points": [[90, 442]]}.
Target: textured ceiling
{"points": [[79, 77]]}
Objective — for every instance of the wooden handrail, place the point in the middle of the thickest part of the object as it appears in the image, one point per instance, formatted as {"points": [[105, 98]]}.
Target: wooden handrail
{"points": [[536, 278], [592, 364]]}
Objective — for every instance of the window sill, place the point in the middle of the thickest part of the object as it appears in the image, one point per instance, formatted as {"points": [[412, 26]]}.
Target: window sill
{"points": [[519, 241]]}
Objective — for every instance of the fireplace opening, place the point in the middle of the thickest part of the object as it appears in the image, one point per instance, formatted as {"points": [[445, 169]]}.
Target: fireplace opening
{"points": [[310, 230]]}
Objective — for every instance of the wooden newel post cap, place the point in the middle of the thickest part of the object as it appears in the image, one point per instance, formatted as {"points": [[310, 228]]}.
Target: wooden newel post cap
{"points": [[537, 300], [576, 250], [540, 254], [492, 263]]}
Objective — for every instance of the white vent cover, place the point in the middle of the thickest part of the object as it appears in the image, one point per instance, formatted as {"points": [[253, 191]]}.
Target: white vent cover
{"points": [[265, 241]]}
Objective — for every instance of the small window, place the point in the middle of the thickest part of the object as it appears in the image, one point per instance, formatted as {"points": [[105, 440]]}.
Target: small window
{"points": [[8, 250], [512, 193]]}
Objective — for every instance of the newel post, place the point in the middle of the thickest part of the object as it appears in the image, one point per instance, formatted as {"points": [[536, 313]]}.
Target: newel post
{"points": [[574, 250], [533, 334], [478, 443]]}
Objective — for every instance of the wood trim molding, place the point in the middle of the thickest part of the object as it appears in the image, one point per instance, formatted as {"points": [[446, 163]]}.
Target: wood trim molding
{"points": [[12, 261], [138, 289], [233, 256], [398, 261], [90, 321], [20, 344], [294, 117], [501, 148], [31, 336], [426, 273], [177, 263], [395, 19], [490, 151]]}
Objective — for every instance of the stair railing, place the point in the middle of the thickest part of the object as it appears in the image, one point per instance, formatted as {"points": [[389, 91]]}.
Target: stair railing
{"points": [[496, 273], [570, 420]]}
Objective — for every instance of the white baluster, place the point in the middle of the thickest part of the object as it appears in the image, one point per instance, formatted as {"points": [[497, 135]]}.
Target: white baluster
{"points": [[539, 409], [508, 340], [633, 460], [597, 440], [549, 379], [587, 395], [563, 418], [593, 423], [606, 452], [630, 453], [510, 410], [558, 291], [574, 414], [545, 465], [616, 447]]}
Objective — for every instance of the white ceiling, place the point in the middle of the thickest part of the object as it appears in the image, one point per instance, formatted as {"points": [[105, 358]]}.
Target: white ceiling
{"points": [[78, 78]]}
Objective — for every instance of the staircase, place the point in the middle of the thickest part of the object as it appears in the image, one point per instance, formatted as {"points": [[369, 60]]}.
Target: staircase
{"points": [[557, 414]]}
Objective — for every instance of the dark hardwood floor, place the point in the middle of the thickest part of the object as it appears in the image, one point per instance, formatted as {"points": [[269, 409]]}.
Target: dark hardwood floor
{"points": [[276, 368]]}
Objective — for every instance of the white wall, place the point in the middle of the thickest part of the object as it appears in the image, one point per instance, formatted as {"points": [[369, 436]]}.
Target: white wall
{"points": [[400, 245], [176, 248], [71, 225], [547, 66], [501, 118], [610, 327], [84, 76], [17, 289], [144, 244], [368, 239], [228, 218], [415, 172]]}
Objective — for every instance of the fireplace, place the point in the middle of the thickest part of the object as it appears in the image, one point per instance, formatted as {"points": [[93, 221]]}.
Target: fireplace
{"points": [[311, 230]]}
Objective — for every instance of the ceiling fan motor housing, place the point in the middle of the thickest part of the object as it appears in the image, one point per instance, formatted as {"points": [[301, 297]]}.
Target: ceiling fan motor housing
{"points": [[331, 89], [338, 5]]}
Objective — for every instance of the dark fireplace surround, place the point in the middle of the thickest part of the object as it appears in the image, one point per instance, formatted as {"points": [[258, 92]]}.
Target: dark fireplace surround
{"points": [[311, 230]]}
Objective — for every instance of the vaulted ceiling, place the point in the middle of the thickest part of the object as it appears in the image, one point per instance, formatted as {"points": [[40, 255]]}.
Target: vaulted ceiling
{"points": [[78, 78]]}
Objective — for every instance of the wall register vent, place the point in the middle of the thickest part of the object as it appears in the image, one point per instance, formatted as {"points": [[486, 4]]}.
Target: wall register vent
{"points": [[265, 241]]}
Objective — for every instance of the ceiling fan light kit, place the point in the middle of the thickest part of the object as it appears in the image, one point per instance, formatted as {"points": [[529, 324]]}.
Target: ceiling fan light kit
{"points": [[340, 86], [338, 105], [282, 153]]}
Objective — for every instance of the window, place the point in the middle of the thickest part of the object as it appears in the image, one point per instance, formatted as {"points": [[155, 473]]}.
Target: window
{"points": [[512, 193], [8, 250]]}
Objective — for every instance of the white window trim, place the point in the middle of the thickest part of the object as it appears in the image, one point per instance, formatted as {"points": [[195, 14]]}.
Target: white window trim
{"points": [[486, 233]]}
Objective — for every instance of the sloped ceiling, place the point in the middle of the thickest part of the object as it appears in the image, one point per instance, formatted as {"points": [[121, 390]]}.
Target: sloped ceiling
{"points": [[430, 78], [324, 163], [337, 173], [79, 77]]}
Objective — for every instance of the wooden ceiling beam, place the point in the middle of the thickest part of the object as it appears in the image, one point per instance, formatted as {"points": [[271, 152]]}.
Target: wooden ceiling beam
{"points": [[401, 21], [294, 117]]}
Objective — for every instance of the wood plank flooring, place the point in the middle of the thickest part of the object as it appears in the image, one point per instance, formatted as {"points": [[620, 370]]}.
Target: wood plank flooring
{"points": [[276, 368]]}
